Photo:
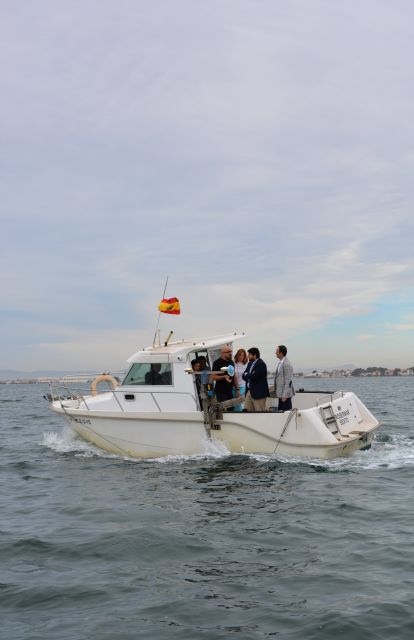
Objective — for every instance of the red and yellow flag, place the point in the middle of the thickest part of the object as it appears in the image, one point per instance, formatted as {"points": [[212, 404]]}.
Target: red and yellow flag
{"points": [[170, 305]]}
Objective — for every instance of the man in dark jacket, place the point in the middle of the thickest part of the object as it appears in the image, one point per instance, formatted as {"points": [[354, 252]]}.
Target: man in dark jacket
{"points": [[257, 389], [225, 384]]}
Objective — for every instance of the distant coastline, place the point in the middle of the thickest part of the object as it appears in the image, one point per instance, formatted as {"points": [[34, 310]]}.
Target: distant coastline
{"points": [[57, 378], [70, 378], [369, 372]]}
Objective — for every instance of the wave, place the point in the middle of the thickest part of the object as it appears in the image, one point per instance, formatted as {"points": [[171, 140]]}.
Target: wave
{"points": [[68, 442], [215, 450], [392, 452]]}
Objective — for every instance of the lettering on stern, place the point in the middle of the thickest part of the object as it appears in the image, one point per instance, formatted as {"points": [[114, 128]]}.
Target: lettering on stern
{"points": [[80, 420], [343, 416]]}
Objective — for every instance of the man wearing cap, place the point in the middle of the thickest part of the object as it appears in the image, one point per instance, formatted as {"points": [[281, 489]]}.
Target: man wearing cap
{"points": [[255, 376]]}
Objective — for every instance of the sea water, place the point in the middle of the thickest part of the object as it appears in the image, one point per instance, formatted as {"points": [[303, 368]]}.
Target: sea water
{"points": [[213, 546]]}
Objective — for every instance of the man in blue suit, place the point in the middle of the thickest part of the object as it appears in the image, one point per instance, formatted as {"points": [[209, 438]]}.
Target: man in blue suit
{"points": [[255, 376]]}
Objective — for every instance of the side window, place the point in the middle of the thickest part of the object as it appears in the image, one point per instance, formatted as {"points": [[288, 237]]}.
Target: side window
{"points": [[199, 354], [145, 373]]}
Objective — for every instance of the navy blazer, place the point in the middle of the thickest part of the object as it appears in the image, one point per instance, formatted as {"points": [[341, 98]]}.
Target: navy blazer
{"points": [[256, 379]]}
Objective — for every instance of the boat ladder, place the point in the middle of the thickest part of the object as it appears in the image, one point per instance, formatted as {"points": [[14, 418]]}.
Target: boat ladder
{"points": [[330, 421]]}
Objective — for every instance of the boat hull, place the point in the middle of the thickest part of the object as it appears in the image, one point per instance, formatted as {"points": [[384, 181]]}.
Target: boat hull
{"points": [[153, 435], [286, 448], [141, 436]]}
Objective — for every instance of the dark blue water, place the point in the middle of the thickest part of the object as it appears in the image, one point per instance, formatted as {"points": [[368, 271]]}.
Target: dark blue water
{"points": [[212, 547]]}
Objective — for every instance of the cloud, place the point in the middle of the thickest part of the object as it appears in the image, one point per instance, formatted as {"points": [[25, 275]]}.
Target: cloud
{"points": [[85, 350], [260, 157], [408, 326]]}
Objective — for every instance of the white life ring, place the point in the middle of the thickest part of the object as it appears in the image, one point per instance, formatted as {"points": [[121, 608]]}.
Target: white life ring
{"points": [[103, 377]]}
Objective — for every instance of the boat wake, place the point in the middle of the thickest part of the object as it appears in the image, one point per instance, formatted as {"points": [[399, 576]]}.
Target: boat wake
{"points": [[215, 450], [392, 452], [68, 442]]}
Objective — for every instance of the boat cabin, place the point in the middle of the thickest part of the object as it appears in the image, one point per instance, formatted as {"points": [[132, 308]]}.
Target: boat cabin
{"points": [[160, 372]]}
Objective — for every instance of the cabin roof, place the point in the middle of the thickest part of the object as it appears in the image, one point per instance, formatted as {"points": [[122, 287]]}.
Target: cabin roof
{"points": [[178, 350]]}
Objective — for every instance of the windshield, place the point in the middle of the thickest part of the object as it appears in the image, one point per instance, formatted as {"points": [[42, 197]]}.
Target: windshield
{"points": [[146, 373]]}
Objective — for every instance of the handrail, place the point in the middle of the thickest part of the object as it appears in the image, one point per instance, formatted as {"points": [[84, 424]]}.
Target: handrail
{"points": [[330, 397], [225, 404], [292, 412], [60, 393]]}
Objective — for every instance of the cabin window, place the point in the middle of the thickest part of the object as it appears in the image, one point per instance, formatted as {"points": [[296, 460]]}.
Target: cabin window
{"points": [[150, 374], [197, 354]]}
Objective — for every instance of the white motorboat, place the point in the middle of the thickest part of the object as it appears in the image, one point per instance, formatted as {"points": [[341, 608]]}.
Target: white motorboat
{"points": [[156, 411]]}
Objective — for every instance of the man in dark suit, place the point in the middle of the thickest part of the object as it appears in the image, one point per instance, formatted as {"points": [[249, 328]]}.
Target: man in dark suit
{"points": [[255, 376]]}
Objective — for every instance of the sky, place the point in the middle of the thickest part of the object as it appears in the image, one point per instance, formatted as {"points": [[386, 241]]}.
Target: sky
{"points": [[259, 153]]}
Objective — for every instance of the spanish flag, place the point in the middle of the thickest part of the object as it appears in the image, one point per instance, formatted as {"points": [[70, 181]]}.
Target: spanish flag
{"points": [[170, 305]]}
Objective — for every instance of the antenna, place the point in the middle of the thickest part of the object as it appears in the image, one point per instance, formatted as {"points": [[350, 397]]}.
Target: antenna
{"points": [[168, 338], [159, 314]]}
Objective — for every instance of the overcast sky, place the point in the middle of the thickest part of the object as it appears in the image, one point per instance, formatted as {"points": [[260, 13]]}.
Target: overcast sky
{"points": [[259, 152]]}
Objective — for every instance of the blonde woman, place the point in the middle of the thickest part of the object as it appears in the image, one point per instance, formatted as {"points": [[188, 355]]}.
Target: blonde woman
{"points": [[240, 364]]}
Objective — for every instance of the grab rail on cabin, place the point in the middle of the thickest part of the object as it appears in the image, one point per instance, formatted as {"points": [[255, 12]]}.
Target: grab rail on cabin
{"points": [[60, 393]]}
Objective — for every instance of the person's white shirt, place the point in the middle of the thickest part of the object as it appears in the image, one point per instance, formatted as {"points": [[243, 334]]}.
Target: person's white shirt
{"points": [[279, 364], [239, 369]]}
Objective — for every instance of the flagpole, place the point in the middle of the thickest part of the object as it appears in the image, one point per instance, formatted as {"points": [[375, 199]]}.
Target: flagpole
{"points": [[159, 314]]}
